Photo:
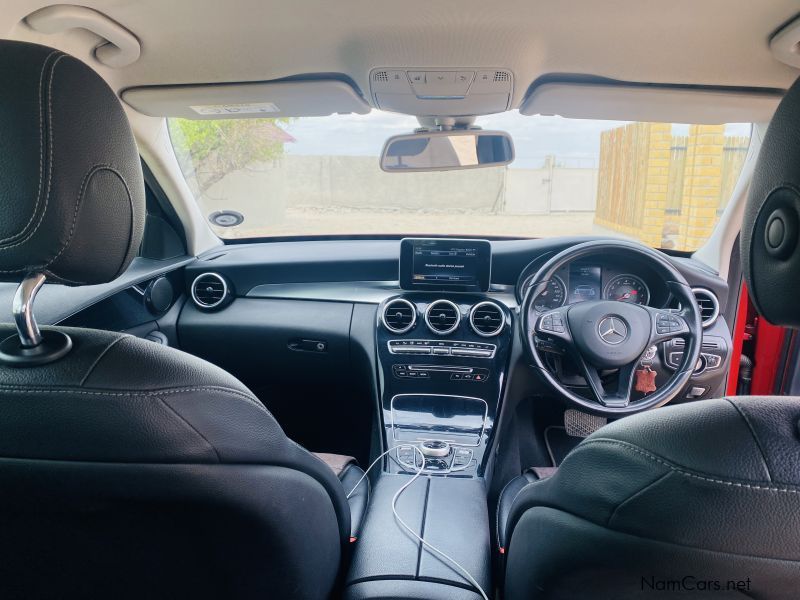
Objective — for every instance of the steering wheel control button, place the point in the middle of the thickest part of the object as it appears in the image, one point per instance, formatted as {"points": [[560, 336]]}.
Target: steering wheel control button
{"points": [[667, 323], [613, 330], [553, 323]]}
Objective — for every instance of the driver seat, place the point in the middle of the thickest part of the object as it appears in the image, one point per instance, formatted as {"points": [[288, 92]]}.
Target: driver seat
{"points": [[699, 500]]}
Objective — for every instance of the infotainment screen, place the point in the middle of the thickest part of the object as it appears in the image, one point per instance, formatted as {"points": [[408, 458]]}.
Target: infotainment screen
{"points": [[445, 264]]}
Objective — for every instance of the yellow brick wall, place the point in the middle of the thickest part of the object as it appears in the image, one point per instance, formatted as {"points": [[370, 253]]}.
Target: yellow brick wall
{"points": [[663, 190], [701, 185]]}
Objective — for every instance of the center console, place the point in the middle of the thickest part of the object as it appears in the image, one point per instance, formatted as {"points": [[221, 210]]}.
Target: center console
{"points": [[443, 348], [442, 362]]}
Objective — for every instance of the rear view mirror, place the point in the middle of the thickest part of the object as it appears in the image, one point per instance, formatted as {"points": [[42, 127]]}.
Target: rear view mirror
{"points": [[447, 150]]}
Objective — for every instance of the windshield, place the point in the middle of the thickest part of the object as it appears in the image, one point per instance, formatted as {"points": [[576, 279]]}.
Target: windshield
{"points": [[663, 184]]}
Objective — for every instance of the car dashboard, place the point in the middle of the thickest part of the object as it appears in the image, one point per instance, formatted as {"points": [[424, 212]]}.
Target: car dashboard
{"points": [[319, 330]]}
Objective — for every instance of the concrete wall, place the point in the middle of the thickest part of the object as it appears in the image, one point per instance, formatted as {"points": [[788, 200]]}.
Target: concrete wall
{"points": [[356, 182]]}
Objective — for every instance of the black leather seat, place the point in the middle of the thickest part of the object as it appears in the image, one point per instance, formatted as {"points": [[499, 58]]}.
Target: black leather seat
{"points": [[129, 469], [699, 500]]}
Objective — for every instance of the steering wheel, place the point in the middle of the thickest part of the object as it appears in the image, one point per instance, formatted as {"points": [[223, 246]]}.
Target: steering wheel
{"points": [[601, 335]]}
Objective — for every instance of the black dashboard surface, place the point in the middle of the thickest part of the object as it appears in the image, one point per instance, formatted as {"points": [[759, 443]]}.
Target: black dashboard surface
{"points": [[367, 270], [361, 271]]}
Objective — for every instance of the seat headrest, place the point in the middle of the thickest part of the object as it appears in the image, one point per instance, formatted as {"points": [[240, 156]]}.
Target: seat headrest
{"points": [[771, 225], [71, 186]]}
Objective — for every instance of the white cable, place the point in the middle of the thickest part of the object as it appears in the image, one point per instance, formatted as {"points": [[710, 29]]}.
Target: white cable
{"points": [[369, 468], [424, 542]]}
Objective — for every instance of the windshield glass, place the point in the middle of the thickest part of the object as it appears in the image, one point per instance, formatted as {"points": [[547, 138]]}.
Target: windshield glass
{"points": [[663, 184]]}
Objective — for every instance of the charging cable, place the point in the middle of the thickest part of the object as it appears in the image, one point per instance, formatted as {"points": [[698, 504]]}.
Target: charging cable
{"points": [[423, 541]]}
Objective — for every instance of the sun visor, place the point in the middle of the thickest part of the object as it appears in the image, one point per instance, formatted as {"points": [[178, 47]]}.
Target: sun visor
{"points": [[665, 104], [308, 98]]}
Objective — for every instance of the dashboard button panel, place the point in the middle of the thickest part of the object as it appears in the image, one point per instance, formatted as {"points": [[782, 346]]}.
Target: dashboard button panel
{"points": [[442, 348]]}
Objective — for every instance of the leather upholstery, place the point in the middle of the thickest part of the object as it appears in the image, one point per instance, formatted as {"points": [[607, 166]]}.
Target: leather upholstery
{"points": [[709, 489], [508, 494], [772, 273], [350, 474], [71, 186], [337, 462], [130, 469], [359, 498], [122, 431]]}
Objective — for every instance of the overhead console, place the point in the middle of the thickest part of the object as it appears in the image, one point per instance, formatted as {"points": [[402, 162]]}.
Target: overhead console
{"points": [[462, 91], [443, 352]]}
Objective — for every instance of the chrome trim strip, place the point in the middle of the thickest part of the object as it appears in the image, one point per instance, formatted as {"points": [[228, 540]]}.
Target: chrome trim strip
{"points": [[449, 342]]}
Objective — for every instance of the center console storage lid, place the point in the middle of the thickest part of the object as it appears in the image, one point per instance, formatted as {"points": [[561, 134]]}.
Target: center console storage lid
{"points": [[450, 513], [413, 589]]}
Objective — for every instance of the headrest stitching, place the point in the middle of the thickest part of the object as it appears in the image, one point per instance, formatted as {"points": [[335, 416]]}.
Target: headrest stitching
{"points": [[41, 151], [81, 190], [50, 145]]}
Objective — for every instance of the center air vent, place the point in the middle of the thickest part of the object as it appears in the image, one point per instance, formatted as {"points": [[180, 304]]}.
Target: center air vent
{"points": [[487, 319], [399, 315], [210, 290], [442, 317], [709, 305]]}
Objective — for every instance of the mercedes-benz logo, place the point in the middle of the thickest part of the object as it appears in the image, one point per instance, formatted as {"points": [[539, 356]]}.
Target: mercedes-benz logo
{"points": [[613, 330]]}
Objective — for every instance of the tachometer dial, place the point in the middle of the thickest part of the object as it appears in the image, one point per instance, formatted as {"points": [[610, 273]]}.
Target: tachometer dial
{"points": [[552, 297], [627, 288]]}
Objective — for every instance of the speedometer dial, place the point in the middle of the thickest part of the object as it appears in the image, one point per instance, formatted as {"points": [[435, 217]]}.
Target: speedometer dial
{"points": [[627, 288], [552, 297]]}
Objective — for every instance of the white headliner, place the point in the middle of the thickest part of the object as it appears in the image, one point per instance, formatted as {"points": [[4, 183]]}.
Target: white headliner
{"points": [[699, 42], [708, 42]]}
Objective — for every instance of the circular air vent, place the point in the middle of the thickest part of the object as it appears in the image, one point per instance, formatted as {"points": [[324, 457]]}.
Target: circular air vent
{"points": [[487, 319], [210, 290], [399, 315], [709, 305], [442, 317]]}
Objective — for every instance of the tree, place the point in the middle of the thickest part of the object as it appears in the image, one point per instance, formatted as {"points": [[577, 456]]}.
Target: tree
{"points": [[210, 149]]}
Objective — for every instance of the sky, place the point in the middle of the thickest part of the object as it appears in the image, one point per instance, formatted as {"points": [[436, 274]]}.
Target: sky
{"points": [[574, 142]]}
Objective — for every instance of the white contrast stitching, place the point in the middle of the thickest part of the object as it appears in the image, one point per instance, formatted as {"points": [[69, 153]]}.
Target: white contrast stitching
{"points": [[672, 467], [50, 145], [81, 190], [94, 169], [137, 394], [157, 392], [41, 152]]}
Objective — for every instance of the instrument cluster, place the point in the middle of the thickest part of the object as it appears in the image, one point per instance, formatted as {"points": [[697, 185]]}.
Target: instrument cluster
{"points": [[594, 280]]}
